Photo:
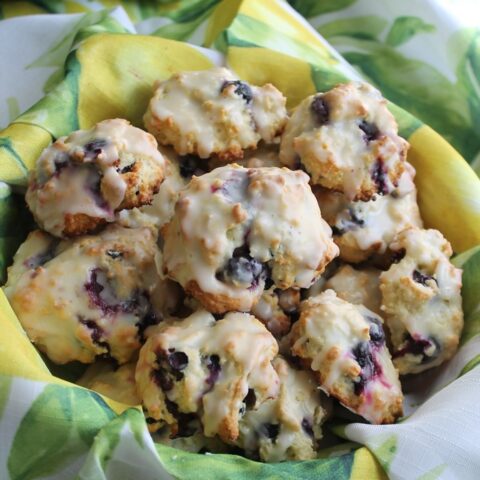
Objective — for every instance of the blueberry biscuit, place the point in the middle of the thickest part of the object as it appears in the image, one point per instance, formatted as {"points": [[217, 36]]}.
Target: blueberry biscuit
{"points": [[236, 228], [87, 297], [290, 426], [347, 141], [421, 298], [113, 381], [212, 113], [344, 345], [81, 180], [361, 229], [360, 287], [202, 370]]}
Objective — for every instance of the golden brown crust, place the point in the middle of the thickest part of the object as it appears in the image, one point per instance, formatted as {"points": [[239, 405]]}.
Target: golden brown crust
{"points": [[80, 224], [217, 302]]}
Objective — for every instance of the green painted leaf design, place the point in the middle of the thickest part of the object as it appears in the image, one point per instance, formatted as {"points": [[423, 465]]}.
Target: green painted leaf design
{"points": [[57, 111], [474, 362], [6, 144], [187, 10], [312, 8], [470, 263], [5, 383], [468, 84], [108, 438], [248, 31], [326, 78], [367, 27], [404, 28], [180, 31], [89, 24], [181, 11], [205, 467], [407, 123], [61, 424], [418, 88], [460, 260]]}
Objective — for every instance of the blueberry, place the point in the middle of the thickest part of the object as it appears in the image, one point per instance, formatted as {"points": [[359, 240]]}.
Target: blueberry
{"points": [[102, 295], [61, 161], [178, 361], [149, 319], [370, 130], [164, 381], [379, 177], [114, 253], [418, 346], [95, 289], [320, 110], [94, 148], [43, 257], [242, 89], [353, 221], [138, 304], [169, 369], [377, 336], [307, 427], [244, 271], [421, 278], [370, 368], [234, 188], [398, 256], [270, 430], [94, 186], [96, 333], [127, 168], [363, 355], [356, 220], [214, 368]]}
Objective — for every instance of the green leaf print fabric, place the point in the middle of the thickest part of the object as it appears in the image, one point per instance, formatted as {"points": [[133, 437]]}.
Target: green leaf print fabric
{"points": [[425, 61]]}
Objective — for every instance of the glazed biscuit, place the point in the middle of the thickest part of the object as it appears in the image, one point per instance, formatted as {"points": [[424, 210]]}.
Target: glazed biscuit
{"points": [[213, 113], [421, 301], [234, 228], [202, 370], [80, 181], [87, 297], [344, 345], [347, 140], [290, 426]]}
